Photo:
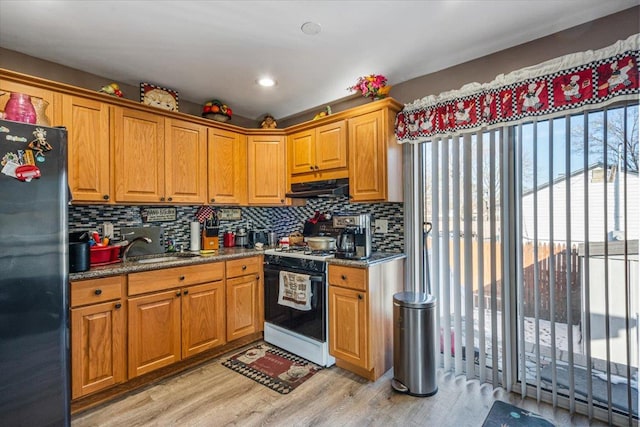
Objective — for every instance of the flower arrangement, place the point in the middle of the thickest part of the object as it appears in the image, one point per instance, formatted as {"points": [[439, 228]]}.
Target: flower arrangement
{"points": [[373, 86]]}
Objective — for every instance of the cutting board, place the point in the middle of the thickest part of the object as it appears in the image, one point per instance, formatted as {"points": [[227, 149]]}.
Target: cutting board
{"points": [[141, 248]]}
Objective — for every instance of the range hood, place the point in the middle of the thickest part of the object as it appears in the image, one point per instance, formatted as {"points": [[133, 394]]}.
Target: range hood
{"points": [[328, 188]]}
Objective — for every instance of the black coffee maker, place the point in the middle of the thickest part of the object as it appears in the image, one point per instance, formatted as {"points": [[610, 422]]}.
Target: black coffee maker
{"points": [[354, 241]]}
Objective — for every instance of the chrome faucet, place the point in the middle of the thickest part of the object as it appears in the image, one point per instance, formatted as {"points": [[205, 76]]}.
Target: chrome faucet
{"points": [[131, 243]]}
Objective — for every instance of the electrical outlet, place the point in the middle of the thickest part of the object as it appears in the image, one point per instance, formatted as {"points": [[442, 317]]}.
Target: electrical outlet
{"points": [[381, 226]]}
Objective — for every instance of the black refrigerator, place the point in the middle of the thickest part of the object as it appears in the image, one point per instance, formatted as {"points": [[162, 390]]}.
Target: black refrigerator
{"points": [[34, 350]]}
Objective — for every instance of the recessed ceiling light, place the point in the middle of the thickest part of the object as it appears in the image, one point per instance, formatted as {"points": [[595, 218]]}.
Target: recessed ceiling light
{"points": [[311, 28], [266, 82]]}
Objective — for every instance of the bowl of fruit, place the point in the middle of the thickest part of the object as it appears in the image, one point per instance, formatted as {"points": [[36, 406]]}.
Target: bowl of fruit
{"points": [[216, 110]]}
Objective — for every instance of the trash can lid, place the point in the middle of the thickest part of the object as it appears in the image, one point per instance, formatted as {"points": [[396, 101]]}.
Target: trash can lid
{"points": [[414, 299]]}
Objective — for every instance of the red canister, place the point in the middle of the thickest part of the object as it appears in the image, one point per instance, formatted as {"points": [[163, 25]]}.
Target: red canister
{"points": [[229, 239]]}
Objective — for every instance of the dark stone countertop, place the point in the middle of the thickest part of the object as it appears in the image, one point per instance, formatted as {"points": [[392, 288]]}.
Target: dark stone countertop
{"points": [[184, 259], [181, 259]]}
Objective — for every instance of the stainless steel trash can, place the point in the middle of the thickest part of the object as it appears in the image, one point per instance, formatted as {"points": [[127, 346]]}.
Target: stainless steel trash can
{"points": [[414, 344]]}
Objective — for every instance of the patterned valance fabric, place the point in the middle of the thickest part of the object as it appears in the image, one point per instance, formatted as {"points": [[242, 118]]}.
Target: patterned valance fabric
{"points": [[568, 84]]}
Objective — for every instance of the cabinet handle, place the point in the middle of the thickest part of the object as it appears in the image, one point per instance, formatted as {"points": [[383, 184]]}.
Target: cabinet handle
{"points": [[162, 199], [281, 200], [118, 306], [178, 294], [316, 167], [105, 197], [359, 296], [181, 277], [244, 267], [97, 291], [170, 199], [343, 277], [185, 292], [258, 277], [213, 200], [311, 167]]}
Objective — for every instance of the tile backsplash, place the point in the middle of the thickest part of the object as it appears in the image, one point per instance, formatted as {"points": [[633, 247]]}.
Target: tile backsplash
{"points": [[282, 220]]}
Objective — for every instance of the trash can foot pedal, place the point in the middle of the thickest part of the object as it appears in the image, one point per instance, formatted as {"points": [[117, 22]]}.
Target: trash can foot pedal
{"points": [[398, 386]]}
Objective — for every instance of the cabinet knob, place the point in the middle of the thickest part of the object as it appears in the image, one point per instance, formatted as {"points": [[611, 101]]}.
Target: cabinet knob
{"points": [[178, 294], [316, 167], [213, 200], [118, 306], [359, 296], [281, 200], [258, 277], [185, 292], [97, 291], [343, 277], [181, 277], [244, 267], [170, 199], [311, 167], [105, 197], [162, 199]]}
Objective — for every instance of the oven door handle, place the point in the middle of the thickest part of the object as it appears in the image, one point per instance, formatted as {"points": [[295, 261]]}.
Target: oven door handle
{"points": [[316, 278]]}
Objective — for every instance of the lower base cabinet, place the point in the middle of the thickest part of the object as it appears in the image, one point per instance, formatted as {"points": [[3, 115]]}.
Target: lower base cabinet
{"points": [[244, 297], [98, 335], [203, 318]]}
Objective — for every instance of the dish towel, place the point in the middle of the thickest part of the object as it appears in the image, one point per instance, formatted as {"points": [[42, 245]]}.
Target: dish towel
{"points": [[295, 290]]}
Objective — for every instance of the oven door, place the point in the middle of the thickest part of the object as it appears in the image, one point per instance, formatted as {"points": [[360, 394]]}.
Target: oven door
{"points": [[311, 323]]}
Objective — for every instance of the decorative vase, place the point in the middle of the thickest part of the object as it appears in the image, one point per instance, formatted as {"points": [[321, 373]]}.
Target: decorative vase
{"points": [[20, 109], [40, 105]]}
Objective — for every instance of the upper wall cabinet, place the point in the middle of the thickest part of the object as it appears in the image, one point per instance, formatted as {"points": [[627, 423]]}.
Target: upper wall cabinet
{"points": [[319, 149], [375, 158], [89, 165], [158, 160], [227, 167], [266, 171]]}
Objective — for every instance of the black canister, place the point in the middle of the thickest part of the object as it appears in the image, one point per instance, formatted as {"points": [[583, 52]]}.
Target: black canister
{"points": [[79, 252]]}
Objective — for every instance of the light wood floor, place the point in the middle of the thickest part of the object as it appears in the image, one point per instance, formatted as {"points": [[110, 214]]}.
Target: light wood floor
{"points": [[212, 395]]}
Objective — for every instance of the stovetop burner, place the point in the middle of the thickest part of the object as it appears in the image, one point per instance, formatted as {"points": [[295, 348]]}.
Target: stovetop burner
{"points": [[301, 252]]}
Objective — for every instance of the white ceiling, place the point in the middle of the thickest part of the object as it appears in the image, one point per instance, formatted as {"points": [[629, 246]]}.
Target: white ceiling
{"points": [[218, 49]]}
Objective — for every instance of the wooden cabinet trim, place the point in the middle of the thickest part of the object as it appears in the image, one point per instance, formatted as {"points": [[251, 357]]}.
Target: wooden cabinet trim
{"points": [[175, 277]]}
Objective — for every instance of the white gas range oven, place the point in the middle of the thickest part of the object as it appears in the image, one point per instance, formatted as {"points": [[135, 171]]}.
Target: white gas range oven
{"points": [[300, 328]]}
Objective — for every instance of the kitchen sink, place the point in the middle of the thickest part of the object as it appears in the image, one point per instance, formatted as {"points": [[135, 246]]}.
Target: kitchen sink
{"points": [[164, 258]]}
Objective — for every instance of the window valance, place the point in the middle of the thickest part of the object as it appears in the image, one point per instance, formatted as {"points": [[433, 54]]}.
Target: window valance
{"points": [[567, 84]]}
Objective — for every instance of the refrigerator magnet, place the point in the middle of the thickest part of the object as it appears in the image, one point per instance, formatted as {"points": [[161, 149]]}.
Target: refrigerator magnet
{"points": [[40, 144]]}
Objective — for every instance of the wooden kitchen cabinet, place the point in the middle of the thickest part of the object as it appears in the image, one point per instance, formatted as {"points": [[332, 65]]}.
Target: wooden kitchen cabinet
{"points": [[154, 331], [203, 317], [227, 167], [266, 170], [88, 147], [185, 156], [318, 149], [139, 156], [245, 312], [375, 158], [174, 313], [98, 335], [361, 316], [159, 160]]}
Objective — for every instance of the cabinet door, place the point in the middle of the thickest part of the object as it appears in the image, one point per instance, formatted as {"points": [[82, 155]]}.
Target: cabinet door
{"points": [[203, 318], [266, 170], [243, 311], [367, 157], [87, 123], [97, 347], [227, 167], [301, 148], [139, 156], [331, 146], [185, 155], [154, 332], [348, 326]]}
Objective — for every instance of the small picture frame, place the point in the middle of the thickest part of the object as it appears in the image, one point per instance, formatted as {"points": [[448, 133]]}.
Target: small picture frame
{"points": [[159, 97]]}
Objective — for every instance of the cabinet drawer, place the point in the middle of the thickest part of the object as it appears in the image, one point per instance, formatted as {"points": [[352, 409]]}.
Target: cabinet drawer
{"points": [[158, 280], [348, 277], [93, 291], [242, 266]]}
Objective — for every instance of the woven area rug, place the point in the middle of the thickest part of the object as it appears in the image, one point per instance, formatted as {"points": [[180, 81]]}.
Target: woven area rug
{"points": [[272, 367], [505, 415]]}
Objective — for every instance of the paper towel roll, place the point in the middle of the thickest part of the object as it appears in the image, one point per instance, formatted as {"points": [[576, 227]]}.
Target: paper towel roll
{"points": [[195, 236]]}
